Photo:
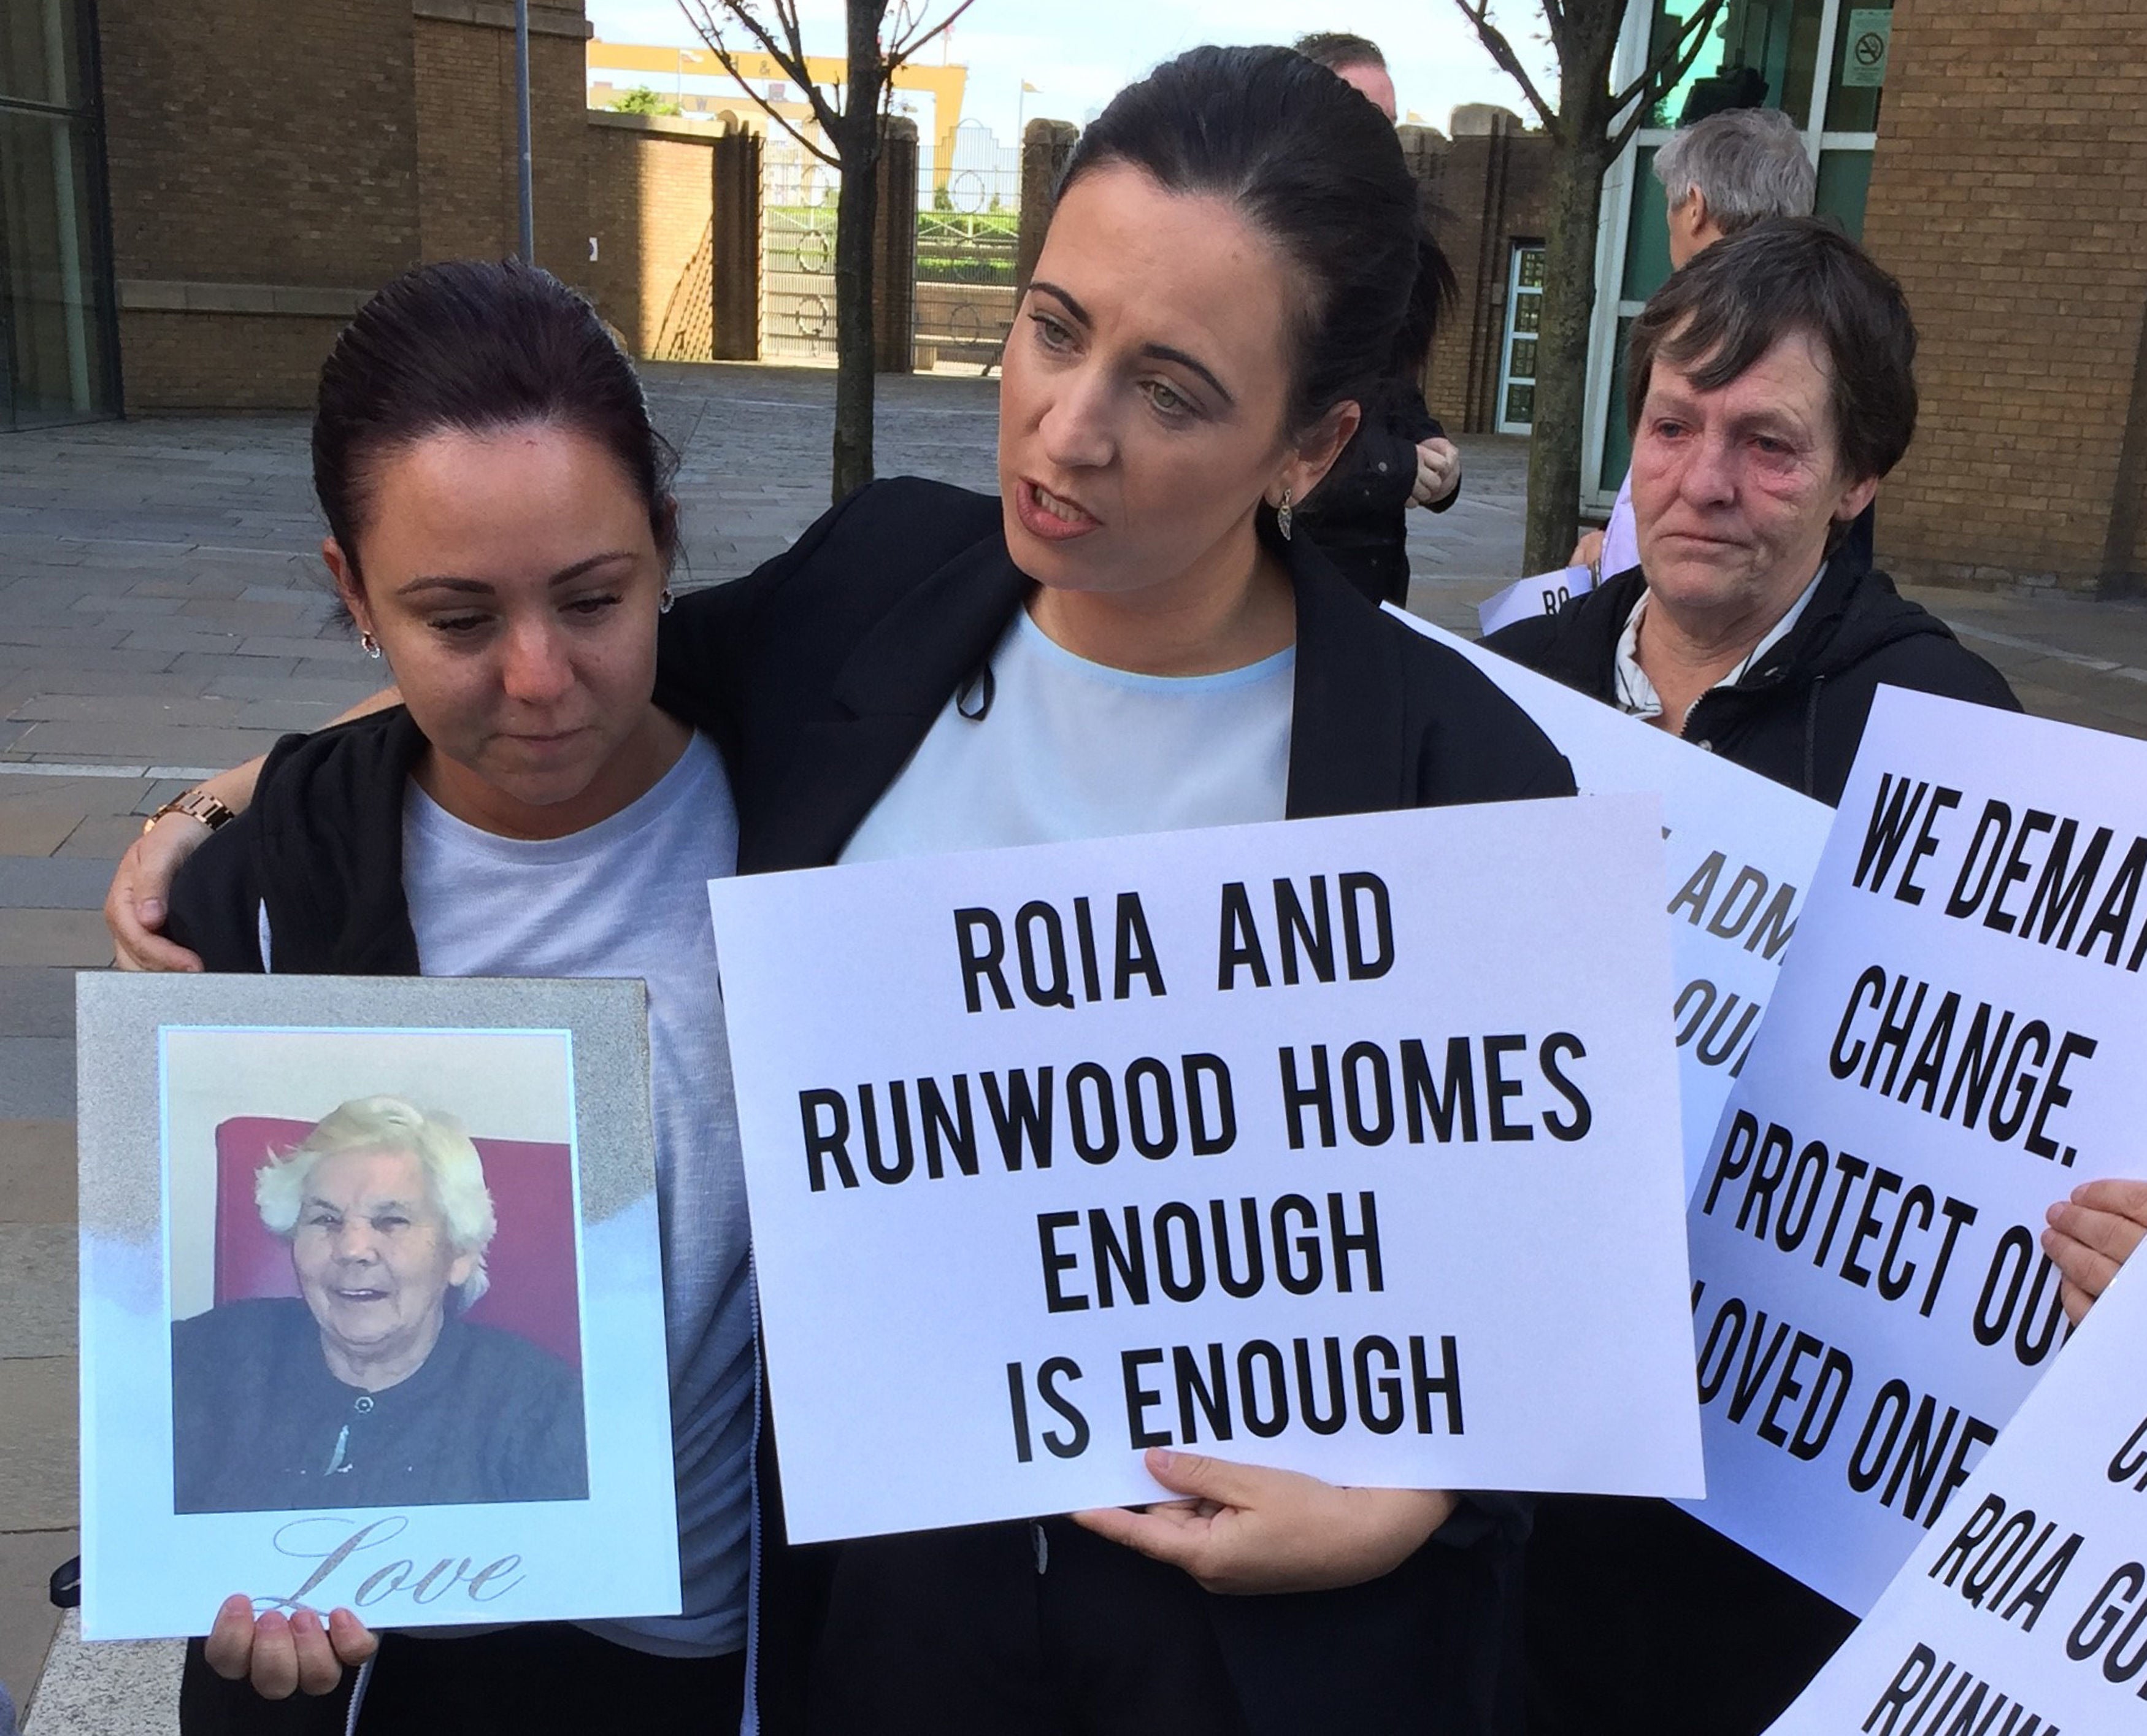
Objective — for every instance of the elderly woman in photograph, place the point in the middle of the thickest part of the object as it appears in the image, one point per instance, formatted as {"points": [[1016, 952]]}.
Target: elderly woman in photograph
{"points": [[372, 1391]]}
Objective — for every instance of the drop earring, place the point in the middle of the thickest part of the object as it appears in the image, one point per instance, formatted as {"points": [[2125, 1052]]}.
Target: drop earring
{"points": [[1282, 515], [368, 644]]}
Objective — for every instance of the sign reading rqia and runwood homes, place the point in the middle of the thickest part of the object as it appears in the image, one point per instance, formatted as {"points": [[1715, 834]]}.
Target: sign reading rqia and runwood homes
{"points": [[1347, 1145], [1954, 1045]]}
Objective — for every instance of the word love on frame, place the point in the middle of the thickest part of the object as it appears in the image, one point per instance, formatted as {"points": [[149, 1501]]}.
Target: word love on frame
{"points": [[1343, 1145], [372, 1304]]}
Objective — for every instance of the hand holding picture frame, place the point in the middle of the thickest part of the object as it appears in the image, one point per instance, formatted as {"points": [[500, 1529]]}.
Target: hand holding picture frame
{"points": [[371, 1301]]}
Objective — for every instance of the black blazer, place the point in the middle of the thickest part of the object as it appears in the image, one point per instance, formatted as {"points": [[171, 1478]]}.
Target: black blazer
{"points": [[822, 672]]}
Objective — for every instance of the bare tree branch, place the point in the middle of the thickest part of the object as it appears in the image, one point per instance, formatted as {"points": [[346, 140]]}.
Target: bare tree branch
{"points": [[1502, 51], [905, 47], [702, 16]]}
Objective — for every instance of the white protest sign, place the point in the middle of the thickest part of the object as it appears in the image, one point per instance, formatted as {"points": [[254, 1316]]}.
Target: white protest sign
{"points": [[1954, 1045], [1740, 849], [1544, 594], [2024, 1611], [1343, 1145]]}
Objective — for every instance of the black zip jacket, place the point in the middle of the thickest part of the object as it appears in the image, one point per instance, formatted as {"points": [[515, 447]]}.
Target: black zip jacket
{"points": [[820, 673], [1797, 716], [1639, 1617]]}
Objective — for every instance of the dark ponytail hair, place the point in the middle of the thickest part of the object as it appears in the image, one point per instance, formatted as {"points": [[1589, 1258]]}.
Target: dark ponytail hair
{"points": [[1313, 166], [474, 346]]}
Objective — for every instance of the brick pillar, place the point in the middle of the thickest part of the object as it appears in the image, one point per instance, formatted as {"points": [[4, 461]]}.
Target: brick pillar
{"points": [[1045, 146], [894, 249], [734, 246]]}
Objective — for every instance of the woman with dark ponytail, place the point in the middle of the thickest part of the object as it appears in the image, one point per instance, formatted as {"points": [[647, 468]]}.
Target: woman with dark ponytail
{"points": [[501, 529], [1134, 637]]}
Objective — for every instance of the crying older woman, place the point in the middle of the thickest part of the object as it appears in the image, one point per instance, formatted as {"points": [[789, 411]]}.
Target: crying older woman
{"points": [[372, 1391]]}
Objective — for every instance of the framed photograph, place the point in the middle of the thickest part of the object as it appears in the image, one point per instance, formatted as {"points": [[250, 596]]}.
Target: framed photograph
{"points": [[372, 1302]]}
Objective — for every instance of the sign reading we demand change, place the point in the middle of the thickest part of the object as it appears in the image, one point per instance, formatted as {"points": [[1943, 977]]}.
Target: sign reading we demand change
{"points": [[1347, 1146], [2024, 1610], [1954, 1045], [1740, 849]]}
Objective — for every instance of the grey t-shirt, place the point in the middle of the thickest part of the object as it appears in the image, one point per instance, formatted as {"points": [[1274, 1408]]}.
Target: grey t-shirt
{"points": [[628, 898]]}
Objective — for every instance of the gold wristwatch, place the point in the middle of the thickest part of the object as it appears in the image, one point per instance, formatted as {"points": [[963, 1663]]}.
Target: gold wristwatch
{"points": [[196, 804]]}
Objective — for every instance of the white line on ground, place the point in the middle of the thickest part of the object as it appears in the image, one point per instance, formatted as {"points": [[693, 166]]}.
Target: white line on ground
{"points": [[51, 769], [2100, 665]]}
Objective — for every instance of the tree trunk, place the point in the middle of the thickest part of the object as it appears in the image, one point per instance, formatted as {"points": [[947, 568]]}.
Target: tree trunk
{"points": [[1574, 204], [857, 209]]}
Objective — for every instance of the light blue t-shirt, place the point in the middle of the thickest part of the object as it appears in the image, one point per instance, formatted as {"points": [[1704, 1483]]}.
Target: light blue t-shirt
{"points": [[1067, 748], [628, 898]]}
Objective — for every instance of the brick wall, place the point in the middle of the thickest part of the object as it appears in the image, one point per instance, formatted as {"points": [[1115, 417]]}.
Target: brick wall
{"points": [[649, 202], [178, 361], [261, 141], [1484, 192], [272, 160], [2008, 195], [467, 141]]}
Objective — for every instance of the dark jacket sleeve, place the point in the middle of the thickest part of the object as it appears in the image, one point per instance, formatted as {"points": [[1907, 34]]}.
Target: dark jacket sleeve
{"points": [[707, 639], [215, 905], [1928, 663]]}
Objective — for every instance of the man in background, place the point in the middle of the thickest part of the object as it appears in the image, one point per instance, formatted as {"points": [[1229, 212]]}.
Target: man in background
{"points": [[1721, 176], [1400, 456]]}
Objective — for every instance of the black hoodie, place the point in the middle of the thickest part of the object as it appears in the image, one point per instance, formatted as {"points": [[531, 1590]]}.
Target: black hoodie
{"points": [[1798, 715]]}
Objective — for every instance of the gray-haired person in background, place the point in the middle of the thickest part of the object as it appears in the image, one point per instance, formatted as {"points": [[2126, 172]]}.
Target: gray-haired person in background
{"points": [[1400, 457], [1721, 176]]}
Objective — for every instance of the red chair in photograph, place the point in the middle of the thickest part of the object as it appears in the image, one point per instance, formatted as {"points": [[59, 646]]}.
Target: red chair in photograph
{"points": [[530, 1264]]}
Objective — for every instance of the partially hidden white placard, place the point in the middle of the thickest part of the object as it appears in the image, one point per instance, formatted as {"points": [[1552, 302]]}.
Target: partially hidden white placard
{"points": [[1954, 1044], [1739, 850], [1362, 1161], [237, 1433], [1545, 593], [2024, 1609]]}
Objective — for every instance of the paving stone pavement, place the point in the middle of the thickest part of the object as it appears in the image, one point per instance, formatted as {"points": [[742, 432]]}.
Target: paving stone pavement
{"points": [[162, 609]]}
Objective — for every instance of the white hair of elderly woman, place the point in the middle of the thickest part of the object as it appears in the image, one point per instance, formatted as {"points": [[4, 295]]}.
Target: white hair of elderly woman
{"points": [[454, 1172]]}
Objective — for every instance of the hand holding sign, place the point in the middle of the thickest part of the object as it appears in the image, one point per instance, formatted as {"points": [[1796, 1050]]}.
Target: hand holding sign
{"points": [[1245, 1529], [2091, 1235]]}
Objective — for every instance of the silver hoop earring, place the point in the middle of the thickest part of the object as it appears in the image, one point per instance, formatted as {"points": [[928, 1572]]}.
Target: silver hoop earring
{"points": [[1283, 516], [368, 644], [664, 603]]}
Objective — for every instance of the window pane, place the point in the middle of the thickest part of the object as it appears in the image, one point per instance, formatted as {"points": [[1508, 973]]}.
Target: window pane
{"points": [[1759, 54], [1647, 234], [1528, 312], [1617, 443], [1521, 404], [1521, 364], [1862, 43], [1532, 267], [1844, 178], [51, 280], [39, 55]]}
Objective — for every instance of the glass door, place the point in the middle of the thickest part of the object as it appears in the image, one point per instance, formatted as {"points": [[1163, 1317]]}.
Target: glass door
{"points": [[1822, 62], [1517, 371], [58, 341]]}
